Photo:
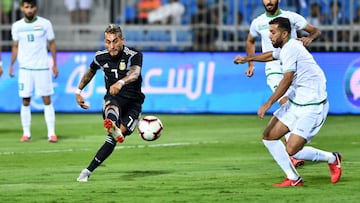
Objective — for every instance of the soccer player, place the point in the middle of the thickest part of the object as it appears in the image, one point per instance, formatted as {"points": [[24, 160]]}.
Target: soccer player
{"points": [[306, 109], [260, 28], [31, 35], [123, 100]]}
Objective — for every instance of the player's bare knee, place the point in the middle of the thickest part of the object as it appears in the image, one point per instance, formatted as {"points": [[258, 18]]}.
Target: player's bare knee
{"points": [[291, 150]]}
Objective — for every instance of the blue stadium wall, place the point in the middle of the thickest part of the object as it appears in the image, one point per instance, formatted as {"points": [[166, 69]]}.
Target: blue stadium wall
{"points": [[189, 83]]}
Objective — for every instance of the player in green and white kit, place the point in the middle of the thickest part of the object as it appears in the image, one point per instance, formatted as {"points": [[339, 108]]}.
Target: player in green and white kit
{"points": [[260, 28], [31, 35], [305, 111]]}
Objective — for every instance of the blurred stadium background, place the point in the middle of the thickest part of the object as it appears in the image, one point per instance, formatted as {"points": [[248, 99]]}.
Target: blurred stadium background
{"points": [[230, 33]]}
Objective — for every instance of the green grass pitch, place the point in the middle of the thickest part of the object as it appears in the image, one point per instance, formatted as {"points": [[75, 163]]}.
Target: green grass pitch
{"points": [[198, 158]]}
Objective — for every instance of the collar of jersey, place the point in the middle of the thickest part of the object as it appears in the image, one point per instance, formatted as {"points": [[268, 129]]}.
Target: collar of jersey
{"points": [[267, 15], [33, 20]]}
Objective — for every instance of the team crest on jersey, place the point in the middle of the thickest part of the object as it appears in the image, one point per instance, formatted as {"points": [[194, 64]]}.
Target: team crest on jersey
{"points": [[122, 65]]}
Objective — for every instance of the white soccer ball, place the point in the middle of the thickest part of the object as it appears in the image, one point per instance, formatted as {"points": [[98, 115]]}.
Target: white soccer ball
{"points": [[150, 128]]}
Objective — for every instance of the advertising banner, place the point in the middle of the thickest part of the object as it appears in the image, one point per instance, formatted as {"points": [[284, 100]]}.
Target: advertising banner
{"points": [[188, 82]]}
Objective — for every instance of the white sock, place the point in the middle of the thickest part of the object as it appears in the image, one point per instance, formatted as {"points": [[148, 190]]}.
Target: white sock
{"points": [[49, 114], [277, 150], [25, 116], [313, 154]]}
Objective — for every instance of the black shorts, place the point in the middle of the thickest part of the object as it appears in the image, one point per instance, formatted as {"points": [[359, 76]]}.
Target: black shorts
{"points": [[129, 110]]}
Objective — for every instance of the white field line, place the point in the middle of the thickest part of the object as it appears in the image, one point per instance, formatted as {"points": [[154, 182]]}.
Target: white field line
{"points": [[116, 148]]}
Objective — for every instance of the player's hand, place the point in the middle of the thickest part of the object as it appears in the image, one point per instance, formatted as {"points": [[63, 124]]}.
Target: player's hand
{"points": [[1, 71], [239, 59], [80, 101], [55, 71], [11, 74], [262, 110], [305, 40], [250, 71], [115, 88]]}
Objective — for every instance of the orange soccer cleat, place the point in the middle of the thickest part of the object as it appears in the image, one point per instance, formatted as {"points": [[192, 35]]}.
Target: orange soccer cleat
{"points": [[335, 168], [25, 138], [289, 183], [113, 130]]}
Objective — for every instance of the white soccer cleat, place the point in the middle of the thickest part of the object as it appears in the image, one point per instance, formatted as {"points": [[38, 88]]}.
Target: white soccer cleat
{"points": [[84, 175]]}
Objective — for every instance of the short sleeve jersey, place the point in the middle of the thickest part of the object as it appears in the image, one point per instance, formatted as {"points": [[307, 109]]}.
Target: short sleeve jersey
{"points": [[260, 28], [309, 84], [115, 68], [33, 38]]}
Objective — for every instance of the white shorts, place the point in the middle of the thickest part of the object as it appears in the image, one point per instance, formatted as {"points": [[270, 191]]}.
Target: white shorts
{"points": [[273, 81], [38, 81], [72, 5], [304, 121]]}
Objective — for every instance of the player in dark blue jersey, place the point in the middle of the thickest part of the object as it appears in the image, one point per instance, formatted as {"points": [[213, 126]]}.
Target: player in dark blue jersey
{"points": [[123, 99]]}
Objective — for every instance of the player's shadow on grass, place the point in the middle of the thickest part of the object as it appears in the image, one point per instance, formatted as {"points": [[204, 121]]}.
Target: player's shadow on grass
{"points": [[130, 175]]}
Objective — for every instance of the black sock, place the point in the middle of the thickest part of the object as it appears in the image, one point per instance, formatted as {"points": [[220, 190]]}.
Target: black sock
{"points": [[103, 153]]}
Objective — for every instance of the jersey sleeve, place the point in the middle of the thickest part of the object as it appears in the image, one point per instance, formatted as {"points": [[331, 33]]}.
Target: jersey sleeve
{"points": [[95, 65], [50, 35], [276, 53], [252, 30], [137, 59], [14, 32], [299, 21]]}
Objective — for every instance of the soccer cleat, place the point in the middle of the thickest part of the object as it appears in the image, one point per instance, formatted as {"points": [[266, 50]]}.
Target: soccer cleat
{"points": [[84, 175], [52, 139], [297, 162], [289, 183], [25, 138], [335, 168], [113, 130]]}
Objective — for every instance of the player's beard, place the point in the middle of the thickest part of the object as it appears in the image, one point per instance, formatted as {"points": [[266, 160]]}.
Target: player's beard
{"points": [[29, 17], [277, 43], [272, 10]]}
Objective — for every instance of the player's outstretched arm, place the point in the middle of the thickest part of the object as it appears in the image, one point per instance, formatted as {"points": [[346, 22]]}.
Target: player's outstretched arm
{"points": [[264, 57], [86, 78]]}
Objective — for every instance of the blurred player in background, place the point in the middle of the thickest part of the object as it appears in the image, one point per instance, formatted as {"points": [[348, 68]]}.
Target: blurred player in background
{"points": [[260, 28], [31, 35], [122, 104], [306, 109]]}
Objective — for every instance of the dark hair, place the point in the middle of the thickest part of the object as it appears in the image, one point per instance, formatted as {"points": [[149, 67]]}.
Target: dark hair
{"points": [[113, 29], [283, 23], [32, 2]]}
